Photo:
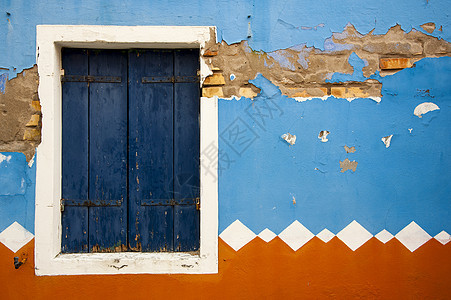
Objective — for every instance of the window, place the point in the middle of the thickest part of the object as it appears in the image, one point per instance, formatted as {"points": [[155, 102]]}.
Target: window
{"points": [[130, 158], [105, 134]]}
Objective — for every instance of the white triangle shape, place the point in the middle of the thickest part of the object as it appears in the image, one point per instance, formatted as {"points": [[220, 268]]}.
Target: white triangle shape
{"points": [[237, 235], [354, 235], [413, 236], [15, 237], [325, 235], [296, 235], [267, 235]]}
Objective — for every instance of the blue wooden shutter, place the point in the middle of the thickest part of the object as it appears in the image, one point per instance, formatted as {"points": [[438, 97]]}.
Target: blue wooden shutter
{"points": [[74, 179], [108, 151], [151, 150], [130, 151], [186, 149], [94, 161], [164, 150]]}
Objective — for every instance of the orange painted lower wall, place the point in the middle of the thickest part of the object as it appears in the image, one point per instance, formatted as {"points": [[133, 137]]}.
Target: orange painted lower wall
{"points": [[260, 270]]}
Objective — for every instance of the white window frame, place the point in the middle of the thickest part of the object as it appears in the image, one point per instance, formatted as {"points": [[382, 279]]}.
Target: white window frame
{"points": [[48, 257]]}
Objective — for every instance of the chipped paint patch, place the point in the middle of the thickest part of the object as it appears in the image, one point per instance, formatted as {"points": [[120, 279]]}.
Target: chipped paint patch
{"points": [[386, 140], [323, 135], [424, 108], [428, 27], [349, 149], [348, 165], [4, 158], [289, 138], [31, 162], [324, 98], [349, 60]]}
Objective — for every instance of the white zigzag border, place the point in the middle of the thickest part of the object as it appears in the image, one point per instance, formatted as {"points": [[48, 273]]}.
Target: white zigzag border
{"points": [[354, 235]]}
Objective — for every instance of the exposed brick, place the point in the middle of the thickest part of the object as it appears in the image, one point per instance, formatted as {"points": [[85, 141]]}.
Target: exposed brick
{"points": [[247, 92], [36, 105], [395, 63], [338, 92], [209, 53], [349, 92], [215, 79], [212, 91], [32, 134], [309, 92], [34, 121], [356, 92]]}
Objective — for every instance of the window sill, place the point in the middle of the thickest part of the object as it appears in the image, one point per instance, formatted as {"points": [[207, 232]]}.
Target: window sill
{"points": [[128, 263]]}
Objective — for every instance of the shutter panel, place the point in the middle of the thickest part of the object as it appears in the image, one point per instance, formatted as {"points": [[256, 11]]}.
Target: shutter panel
{"points": [[151, 150], [75, 152], [131, 142], [108, 152], [186, 149]]}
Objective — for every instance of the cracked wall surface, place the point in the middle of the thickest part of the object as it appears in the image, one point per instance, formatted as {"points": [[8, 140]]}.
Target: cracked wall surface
{"points": [[344, 69]]}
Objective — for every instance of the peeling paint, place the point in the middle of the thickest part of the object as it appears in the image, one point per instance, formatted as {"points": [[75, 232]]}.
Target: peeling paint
{"points": [[424, 108], [348, 165], [349, 149], [289, 138], [429, 27], [350, 61], [323, 135], [4, 158], [386, 140]]}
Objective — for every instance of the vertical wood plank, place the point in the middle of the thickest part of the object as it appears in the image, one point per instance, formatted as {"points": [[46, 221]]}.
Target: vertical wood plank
{"points": [[108, 151], [151, 150], [74, 179], [186, 150]]}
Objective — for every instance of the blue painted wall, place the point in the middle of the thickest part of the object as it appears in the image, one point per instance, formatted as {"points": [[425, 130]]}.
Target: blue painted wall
{"points": [[409, 181], [17, 190], [274, 24]]}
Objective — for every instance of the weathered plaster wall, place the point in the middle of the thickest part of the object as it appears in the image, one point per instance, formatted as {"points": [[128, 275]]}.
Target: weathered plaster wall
{"points": [[20, 114], [334, 147], [343, 69]]}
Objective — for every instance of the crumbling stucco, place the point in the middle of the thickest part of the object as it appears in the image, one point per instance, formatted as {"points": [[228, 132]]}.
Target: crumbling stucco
{"points": [[348, 165], [20, 120], [305, 72]]}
